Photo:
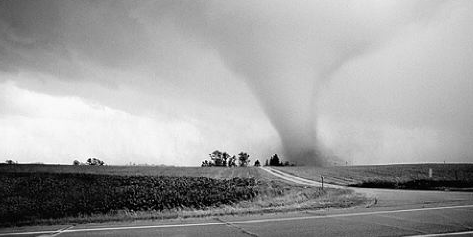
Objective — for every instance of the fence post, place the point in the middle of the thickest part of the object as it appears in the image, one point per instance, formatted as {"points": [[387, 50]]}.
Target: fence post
{"points": [[322, 182]]}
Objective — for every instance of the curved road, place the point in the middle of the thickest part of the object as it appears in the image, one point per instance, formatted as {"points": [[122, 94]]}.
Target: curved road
{"points": [[389, 197], [395, 213], [297, 180]]}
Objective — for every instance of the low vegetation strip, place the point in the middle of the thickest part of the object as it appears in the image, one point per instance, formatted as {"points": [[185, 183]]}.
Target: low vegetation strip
{"points": [[210, 172], [420, 184], [28, 196], [402, 176]]}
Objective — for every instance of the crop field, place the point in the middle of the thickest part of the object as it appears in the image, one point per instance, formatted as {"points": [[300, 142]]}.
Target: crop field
{"points": [[210, 172], [410, 176], [55, 194], [26, 196]]}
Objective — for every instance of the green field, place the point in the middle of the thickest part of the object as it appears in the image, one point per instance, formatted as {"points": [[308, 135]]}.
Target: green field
{"points": [[415, 176]]}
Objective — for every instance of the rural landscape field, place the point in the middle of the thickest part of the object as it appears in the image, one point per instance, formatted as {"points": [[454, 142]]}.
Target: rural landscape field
{"points": [[266, 118], [51, 194], [210, 172], [403, 176], [65, 193]]}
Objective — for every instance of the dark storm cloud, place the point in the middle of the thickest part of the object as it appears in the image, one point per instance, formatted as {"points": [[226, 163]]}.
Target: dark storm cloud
{"points": [[285, 52], [47, 35]]}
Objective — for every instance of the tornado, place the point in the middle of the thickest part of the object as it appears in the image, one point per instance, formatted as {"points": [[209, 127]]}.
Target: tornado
{"points": [[289, 99], [286, 51], [285, 61]]}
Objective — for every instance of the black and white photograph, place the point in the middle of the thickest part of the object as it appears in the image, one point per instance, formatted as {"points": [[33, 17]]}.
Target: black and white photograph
{"points": [[247, 118]]}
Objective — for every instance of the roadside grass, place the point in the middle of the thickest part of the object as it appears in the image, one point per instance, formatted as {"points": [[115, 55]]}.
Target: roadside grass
{"points": [[273, 195], [402, 176], [301, 197]]}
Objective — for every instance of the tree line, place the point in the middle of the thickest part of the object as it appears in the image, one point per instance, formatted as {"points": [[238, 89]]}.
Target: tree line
{"points": [[90, 161], [224, 159], [275, 161]]}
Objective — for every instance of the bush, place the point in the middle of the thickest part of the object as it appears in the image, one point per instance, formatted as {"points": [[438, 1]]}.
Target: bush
{"points": [[95, 161]]}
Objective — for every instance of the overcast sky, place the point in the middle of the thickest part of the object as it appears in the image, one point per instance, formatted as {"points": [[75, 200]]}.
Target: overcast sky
{"points": [[168, 82]]}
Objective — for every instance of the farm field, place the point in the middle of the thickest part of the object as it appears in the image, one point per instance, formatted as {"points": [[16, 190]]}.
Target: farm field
{"points": [[411, 176], [210, 172], [29, 196], [58, 194]]}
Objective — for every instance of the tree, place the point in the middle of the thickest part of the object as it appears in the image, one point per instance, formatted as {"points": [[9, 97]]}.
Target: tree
{"points": [[257, 164], [225, 157], [243, 159], [10, 162], [266, 163], [232, 161], [95, 161], [76, 162], [216, 156], [206, 163], [274, 161]]}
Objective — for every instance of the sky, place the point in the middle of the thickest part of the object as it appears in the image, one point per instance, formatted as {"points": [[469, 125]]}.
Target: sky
{"points": [[170, 81]]}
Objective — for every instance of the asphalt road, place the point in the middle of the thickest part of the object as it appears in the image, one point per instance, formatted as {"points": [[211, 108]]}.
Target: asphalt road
{"points": [[396, 213]]}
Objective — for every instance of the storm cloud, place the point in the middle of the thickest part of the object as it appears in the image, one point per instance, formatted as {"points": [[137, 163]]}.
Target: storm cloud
{"points": [[323, 81]]}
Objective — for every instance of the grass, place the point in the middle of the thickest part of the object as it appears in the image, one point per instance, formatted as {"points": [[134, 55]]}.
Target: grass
{"points": [[272, 195], [406, 176]]}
